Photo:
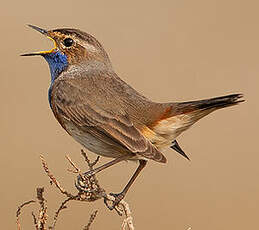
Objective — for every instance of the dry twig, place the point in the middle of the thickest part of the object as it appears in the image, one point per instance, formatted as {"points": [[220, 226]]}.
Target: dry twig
{"points": [[42, 218], [19, 211], [61, 207], [52, 178], [89, 190], [91, 219]]}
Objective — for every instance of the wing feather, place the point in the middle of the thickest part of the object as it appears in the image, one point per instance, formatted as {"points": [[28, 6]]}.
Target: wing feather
{"points": [[79, 107]]}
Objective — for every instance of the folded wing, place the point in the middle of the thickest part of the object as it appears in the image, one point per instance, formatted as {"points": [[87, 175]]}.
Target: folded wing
{"points": [[71, 101]]}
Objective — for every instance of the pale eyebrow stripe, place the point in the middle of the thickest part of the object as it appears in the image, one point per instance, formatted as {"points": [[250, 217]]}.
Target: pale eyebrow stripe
{"points": [[85, 44]]}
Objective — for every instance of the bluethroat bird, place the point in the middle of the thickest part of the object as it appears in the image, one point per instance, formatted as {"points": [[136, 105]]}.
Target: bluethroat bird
{"points": [[106, 115]]}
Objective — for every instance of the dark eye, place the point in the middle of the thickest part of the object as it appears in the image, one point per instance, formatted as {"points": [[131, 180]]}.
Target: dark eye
{"points": [[68, 42]]}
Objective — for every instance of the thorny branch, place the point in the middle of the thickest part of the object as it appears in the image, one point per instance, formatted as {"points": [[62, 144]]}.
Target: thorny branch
{"points": [[92, 191]]}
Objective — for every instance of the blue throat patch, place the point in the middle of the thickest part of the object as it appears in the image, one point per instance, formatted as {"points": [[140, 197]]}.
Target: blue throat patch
{"points": [[57, 63]]}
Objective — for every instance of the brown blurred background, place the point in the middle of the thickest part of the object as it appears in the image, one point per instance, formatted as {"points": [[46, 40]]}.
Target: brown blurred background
{"points": [[169, 51]]}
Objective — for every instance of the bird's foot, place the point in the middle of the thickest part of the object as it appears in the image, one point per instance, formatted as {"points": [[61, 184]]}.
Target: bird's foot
{"points": [[118, 197], [89, 174], [82, 181]]}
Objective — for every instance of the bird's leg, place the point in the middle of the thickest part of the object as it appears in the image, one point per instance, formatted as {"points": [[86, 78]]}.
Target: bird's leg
{"points": [[80, 185], [118, 197], [107, 165]]}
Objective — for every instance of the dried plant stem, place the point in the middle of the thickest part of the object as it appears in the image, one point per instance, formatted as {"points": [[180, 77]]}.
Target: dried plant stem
{"points": [[42, 218], [19, 211], [52, 178], [128, 221], [89, 190], [61, 207], [91, 219]]}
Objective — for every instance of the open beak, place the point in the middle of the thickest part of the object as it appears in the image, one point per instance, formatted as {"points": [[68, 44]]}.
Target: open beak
{"points": [[44, 32]]}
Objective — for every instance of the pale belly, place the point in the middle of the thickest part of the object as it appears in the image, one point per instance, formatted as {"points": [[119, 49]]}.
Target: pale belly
{"points": [[98, 145], [161, 136], [95, 145]]}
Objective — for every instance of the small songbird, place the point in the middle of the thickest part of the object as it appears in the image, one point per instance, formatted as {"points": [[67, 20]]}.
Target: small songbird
{"points": [[105, 114]]}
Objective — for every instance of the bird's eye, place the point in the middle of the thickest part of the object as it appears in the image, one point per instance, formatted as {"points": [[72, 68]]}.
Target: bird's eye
{"points": [[68, 42]]}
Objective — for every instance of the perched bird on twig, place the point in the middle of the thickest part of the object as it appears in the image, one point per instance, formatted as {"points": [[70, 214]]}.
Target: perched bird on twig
{"points": [[105, 114]]}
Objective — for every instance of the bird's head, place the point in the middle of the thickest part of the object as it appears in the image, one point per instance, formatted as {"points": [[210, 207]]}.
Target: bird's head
{"points": [[71, 47]]}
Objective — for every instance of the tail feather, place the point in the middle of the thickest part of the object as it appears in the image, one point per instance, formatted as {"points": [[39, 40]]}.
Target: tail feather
{"points": [[209, 104], [179, 117], [191, 112], [220, 102]]}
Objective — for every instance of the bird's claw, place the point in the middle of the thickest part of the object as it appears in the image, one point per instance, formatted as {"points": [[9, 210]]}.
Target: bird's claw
{"points": [[88, 174], [81, 184], [118, 197]]}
